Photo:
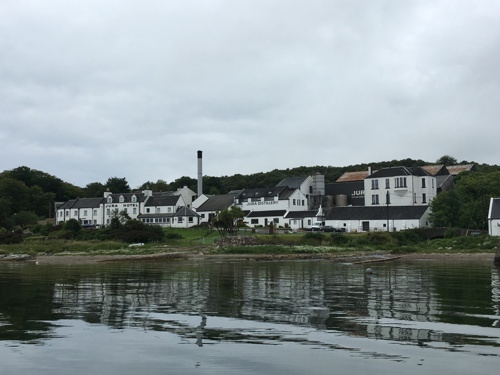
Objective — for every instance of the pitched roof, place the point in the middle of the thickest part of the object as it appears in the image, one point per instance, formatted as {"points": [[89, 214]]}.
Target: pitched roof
{"points": [[457, 169], [300, 214], [274, 213], [352, 176], [436, 170], [81, 203], [292, 182], [186, 211], [399, 171], [162, 200], [377, 213], [283, 192], [217, 203]]}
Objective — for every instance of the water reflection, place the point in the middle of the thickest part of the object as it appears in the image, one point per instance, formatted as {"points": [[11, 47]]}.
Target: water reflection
{"points": [[413, 303]]}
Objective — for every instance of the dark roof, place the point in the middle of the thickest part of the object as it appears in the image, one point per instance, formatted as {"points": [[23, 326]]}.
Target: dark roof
{"points": [[494, 208], [267, 213], [292, 182], [217, 203], [283, 192], [143, 216], [81, 203], [186, 211], [377, 213], [399, 171], [127, 197], [162, 200], [300, 214]]}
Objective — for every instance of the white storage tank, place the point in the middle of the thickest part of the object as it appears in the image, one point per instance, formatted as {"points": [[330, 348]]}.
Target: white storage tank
{"points": [[341, 200]]}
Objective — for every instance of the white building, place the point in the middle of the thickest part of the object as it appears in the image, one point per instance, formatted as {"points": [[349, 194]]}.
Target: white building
{"points": [[400, 186], [494, 217]]}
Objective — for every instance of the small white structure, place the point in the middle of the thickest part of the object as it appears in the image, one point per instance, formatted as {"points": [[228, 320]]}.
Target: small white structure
{"points": [[494, 217]]}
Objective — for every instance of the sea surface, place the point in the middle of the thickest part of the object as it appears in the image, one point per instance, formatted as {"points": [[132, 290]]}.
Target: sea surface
{"points": [[250, 317]]}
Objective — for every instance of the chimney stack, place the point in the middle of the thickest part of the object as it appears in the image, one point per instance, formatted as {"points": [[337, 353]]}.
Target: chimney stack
{"points": [[200, 174]]}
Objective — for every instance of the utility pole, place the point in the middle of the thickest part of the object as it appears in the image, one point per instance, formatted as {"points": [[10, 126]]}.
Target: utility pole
{"points": [[387, 203]]}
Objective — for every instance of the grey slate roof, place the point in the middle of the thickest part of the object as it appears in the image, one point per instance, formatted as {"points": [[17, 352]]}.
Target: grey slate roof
{"points": [[274, 213], [494, 209], [186, 211], [292, 182], [300, 214], [377, 213], [217, 203], [282, 191], [162, 200], [81, 203], [128, 197]]}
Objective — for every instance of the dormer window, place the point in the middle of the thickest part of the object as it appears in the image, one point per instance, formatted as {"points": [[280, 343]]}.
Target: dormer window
{"points": [[122, 199], [110, 199], [134, 198]]}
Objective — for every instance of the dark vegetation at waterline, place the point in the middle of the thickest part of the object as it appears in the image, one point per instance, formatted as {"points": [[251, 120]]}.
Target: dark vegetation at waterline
{"points": [[71, 238]]}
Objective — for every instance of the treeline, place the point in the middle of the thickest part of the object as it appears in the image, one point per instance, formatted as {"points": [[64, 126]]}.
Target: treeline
{"points": [[27, 195]]}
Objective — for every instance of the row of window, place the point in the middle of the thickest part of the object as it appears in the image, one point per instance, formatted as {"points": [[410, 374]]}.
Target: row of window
{"points": [[399, 182], [376, 200], [109, 212], [121, 199], [160, 220]]}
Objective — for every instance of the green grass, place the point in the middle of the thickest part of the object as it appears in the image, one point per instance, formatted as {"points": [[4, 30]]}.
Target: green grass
{"points": [[296, 243]]}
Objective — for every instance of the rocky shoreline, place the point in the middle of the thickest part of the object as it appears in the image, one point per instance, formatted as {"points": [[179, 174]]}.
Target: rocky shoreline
{"points": [[351, 257]]}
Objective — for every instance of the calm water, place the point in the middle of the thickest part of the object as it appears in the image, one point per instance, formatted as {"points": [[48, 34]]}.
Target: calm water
{"points": [[207, 317]]}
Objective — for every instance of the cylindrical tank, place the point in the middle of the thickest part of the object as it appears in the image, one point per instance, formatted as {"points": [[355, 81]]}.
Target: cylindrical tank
{"points": [[341, 200]]}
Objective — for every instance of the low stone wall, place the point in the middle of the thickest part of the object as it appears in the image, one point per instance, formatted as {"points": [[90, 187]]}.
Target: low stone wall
{"points": [[236, 241]]}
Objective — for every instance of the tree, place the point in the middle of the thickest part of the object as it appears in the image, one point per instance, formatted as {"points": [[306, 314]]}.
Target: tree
{"points": [[117, 185], [72, 227], [446, 160], [25, 218], [227, 220], [95, 190]]}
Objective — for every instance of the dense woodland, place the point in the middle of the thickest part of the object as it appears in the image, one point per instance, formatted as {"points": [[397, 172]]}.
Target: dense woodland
{"points": [[28, 195]]}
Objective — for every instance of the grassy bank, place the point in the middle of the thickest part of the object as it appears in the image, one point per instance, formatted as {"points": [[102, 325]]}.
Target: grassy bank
{"points": [[198, 239]]}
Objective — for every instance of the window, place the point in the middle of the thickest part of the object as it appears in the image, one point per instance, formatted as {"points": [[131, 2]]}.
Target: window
{"points": [[157, 210], [135, 210], [375, 199], [387, 183], [303, 204], [84, 212], [122, 199], [374, 184], [400, 182], [179, 219], [276, 220], [110, 199], [256, 199], [387, 198], [108, 212], [75, 213], [95, 212], [424, 198], [432, 183], [125, 210], [169, 209], [134, 198], [423, 182], [414, 197], [254, 221], [190, 219], [294, 202], [147, 210]]}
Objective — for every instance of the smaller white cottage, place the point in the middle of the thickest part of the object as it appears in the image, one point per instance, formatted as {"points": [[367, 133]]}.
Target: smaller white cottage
{"points": [[494, 217]]}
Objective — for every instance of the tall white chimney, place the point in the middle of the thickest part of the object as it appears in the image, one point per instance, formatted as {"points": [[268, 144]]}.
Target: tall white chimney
{"points": [[200, 174]]}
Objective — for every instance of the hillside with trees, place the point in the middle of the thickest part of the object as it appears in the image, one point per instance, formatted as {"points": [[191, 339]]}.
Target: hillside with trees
{"points": [[28, 195]]}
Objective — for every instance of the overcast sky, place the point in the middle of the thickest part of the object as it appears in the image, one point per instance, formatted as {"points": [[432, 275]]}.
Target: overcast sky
{"points": [[98, 88]]}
